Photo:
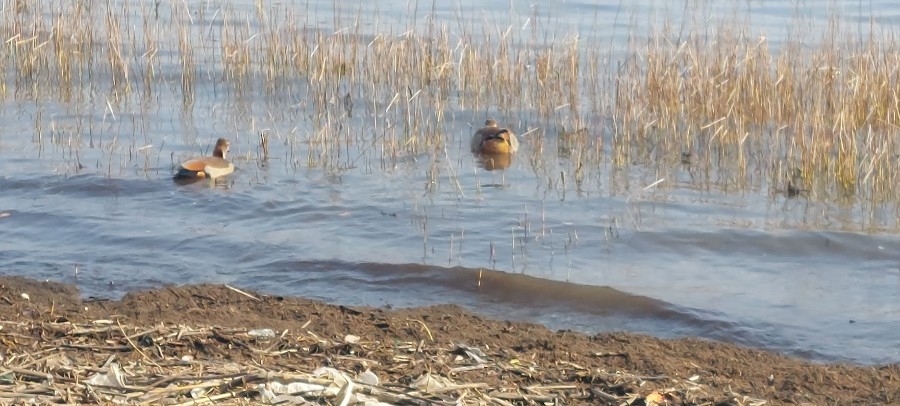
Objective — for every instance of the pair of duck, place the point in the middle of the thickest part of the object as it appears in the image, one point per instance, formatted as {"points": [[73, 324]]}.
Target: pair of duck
{"points": [[488, 140]]}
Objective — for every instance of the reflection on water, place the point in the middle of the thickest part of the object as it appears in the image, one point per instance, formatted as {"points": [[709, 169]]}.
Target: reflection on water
{"points": [[369, 194], [493, 162]]}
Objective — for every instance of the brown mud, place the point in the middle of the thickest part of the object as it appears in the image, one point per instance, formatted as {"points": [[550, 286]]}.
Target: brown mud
{"points": [[195, 344]]}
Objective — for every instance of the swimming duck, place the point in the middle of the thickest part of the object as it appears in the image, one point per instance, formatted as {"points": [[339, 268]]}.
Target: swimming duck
{"points": [[491, 139], [208, 166]]}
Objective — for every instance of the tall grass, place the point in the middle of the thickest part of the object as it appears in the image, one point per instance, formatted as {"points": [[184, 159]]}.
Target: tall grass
{"points": [[348, 95]]}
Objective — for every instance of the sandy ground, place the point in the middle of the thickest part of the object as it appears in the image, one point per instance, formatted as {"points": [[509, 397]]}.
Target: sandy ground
{"points": [[202, 343]]}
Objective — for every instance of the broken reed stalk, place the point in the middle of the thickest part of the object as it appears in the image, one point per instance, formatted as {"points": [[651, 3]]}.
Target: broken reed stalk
{"points": [[103, 361]]}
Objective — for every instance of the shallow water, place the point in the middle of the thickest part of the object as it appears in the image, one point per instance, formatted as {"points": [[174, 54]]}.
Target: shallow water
{"points": [[86, 197]]}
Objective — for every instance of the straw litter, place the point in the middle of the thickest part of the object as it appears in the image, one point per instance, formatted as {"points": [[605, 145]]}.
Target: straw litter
{"points": [[106, 362]]}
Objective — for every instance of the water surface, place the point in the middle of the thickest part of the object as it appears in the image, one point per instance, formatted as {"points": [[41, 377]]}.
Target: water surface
{"points": [[87, 198]]}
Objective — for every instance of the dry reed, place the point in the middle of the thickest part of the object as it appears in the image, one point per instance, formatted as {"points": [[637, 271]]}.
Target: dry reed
{"points": [[744, 114]]}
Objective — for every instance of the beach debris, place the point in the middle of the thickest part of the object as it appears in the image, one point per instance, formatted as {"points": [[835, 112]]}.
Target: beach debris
{"points": [[112, 378], [368, 377], [262, 334], [179, 364], [431, 383], [327, 382], [236, 290], [277, 392], [472, 352]]}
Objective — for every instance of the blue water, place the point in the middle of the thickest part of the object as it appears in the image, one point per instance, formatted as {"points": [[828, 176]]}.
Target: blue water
{"points": [[86, 194]]}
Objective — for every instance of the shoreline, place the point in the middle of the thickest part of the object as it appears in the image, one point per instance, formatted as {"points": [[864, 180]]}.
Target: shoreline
{"points": [[201, 343]]}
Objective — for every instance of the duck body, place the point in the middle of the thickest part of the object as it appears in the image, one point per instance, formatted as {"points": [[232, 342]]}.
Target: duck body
{"points": [[208, 166], [492, 139]]}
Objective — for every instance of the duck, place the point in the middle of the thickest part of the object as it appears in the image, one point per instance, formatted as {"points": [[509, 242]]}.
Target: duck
{"points": [[208, 166], [492, 139]]}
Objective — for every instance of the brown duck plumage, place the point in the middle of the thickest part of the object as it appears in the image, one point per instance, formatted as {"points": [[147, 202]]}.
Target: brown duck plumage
{"points": [[209, 166], [492, 139]]}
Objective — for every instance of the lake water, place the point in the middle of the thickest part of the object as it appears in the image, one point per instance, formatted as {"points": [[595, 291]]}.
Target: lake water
{"points": [[86, 194]]}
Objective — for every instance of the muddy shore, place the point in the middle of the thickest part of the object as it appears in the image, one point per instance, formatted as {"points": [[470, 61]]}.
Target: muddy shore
{"points": [[213, 343]]}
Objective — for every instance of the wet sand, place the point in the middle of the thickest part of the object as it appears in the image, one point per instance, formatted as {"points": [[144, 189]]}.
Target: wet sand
{"points": [[171, 341]]}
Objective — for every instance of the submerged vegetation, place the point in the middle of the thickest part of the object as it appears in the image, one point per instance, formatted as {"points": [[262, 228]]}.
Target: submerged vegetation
{"points": [[812, 116]]}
